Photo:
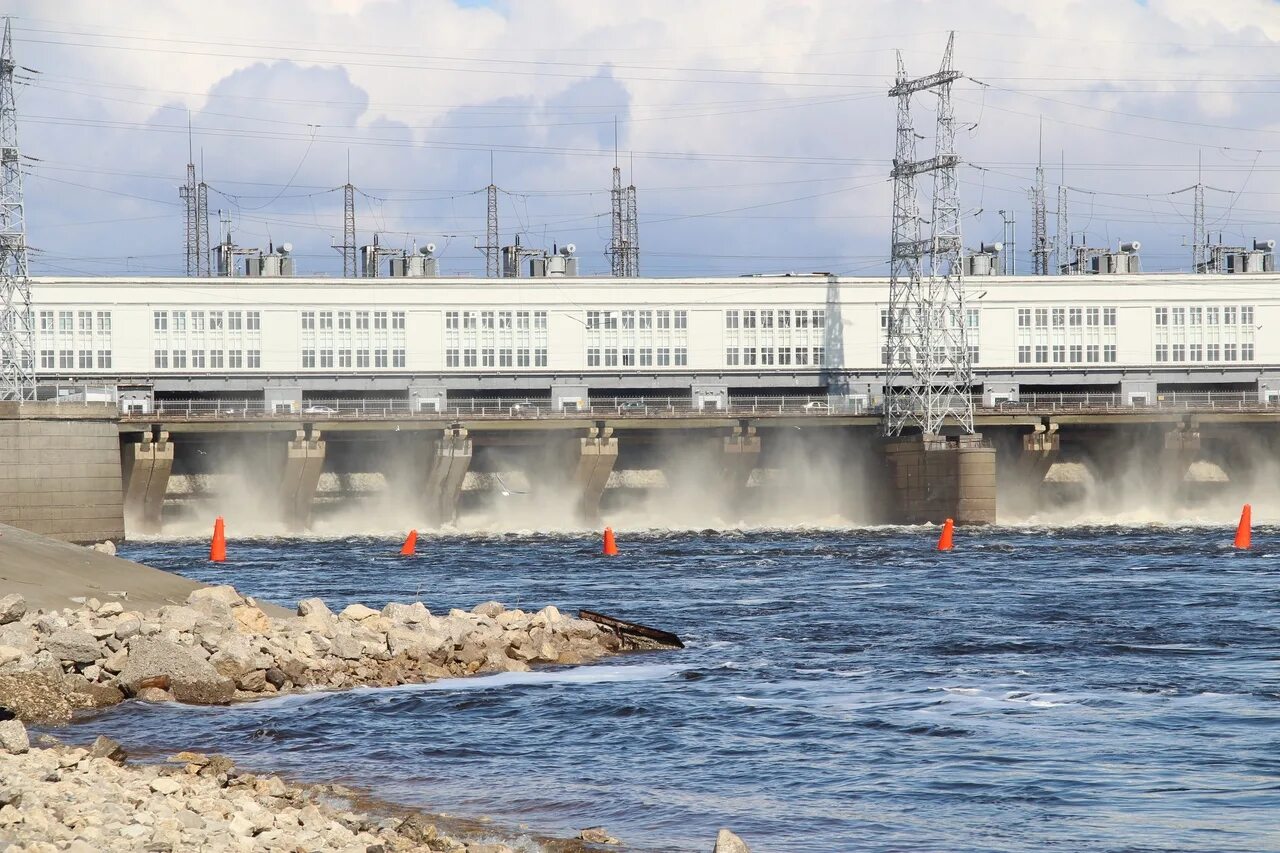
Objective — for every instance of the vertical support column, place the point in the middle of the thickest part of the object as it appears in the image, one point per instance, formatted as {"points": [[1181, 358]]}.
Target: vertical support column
{"points": [[935, 477], [449, 467], [1181, 448], [304, 460], [741, 452], [1040, 449], [146, 465], [591, 462]]}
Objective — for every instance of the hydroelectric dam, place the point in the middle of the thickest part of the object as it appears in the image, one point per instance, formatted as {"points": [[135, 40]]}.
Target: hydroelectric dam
{"points": [[709, 401]]}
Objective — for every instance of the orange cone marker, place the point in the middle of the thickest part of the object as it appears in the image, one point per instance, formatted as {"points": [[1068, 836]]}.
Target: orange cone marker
{"points": [[945, 542], [218, 548], [610, 545], [410, 545], [1244, 530]]}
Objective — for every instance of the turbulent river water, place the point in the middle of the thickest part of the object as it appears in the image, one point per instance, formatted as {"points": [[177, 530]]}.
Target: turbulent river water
{"points": [[1081, 689]]}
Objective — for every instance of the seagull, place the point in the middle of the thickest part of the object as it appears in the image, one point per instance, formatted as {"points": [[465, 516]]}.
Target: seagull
{"points": [[506, 493]]}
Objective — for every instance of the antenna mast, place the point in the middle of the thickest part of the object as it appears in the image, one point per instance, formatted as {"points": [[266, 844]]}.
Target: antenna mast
{"points": [[17, 329], [1040, 248], [929, 374], [348, 247]]}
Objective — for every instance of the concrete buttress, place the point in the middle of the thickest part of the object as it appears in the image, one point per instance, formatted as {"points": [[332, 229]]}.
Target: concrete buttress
{"points": [[591, 461], [146, 466], [303, 463], [448, 467]]}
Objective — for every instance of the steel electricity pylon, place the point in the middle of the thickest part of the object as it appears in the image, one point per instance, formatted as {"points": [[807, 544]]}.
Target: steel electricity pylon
{"points": [[17, 327], [929, 369]]}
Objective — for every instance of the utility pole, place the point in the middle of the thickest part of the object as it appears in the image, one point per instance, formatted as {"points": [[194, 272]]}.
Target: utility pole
{"points": [[348, 247], [17, 326], [930, 375]]}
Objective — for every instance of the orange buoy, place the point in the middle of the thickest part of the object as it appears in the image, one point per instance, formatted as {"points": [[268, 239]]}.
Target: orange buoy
{"points": [[410, 544], [945, 542], [218, 548], [610, 544], [1244, 530]]}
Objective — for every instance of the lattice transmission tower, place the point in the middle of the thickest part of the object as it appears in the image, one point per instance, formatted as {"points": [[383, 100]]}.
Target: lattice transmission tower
{"points": [[1200, 237], [633, 233], [1062, 246], [930, 374], [1040, 248], [17, 328], [617, 225]]}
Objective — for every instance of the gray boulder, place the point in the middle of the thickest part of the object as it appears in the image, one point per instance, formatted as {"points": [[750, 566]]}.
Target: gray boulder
{"points": [[75, 646], [12, 608], [20, 637], [154, 662], [13, 737], [727, 842], [489, 608]]}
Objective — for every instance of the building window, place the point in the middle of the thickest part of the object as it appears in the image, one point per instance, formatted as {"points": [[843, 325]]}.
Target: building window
{"points": [[681, 319], [664, 356], [1179, 316], [46, 321], [802, 319], [748, 319], [1091, 316], [1075, 317], [47, 360], [784, 356], [215, 359], [1042, 354], [180, 359], [802, 355], [253, 358], [1229, 315], [1211, 352], [468, 357], [104, 359], [731, 356], [397, 357], [1059, 317], [1162, 316], [1042, 318], [66, 359], [179, 321], [664, 320], [380, 357], [540, 320], [344, 355], [1091, 353], [452, 358], [820, 318], [628, 357], [380, 320], [197, 359], [973, 355], [1162, 352], [682, 355], [610, 357], [197, 321], [1228, 352], [397, 320], [1246, 315], [487, 358], [1059, 353], [593, 356], [362, 358], [1076, 353], [971, 317], [1024, 318], [522, 357], [234, 319], [610, 320], [253, 321], [1195, 316], [1246, 352], [646, 356], [1108, 316], [731, 319], [629, 320], [161, 359], [235, 360], [215, 321], [1109, 352], [1024, 355], [540, 357], [308, 358], [86, 321], [1195, 352], [506, 357], [326, 358], [1179, 352], [159, 321], [362, 320], [1211, 316], [86, 359], [450, 320]]}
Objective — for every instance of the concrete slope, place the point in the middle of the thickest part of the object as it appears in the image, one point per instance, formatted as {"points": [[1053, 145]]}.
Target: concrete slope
{"points": [[48, 574]]}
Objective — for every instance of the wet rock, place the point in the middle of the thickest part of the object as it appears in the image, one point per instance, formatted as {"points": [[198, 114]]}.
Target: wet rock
{"points": [[12, 608], [276, 677], [109, 748], [597, 835], [727, 842], [35, 697], [13, 737], [191, 678], [72, 645], [153, 694]]}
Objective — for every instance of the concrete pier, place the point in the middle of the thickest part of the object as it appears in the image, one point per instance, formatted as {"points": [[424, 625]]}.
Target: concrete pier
{"points": [[741, 453], [145, 466], [590, 462], [303, 462], [933, 477], [448, 466]]}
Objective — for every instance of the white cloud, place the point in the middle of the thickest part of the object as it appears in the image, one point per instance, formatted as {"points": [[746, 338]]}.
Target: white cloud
{"points": [[731, 106]]}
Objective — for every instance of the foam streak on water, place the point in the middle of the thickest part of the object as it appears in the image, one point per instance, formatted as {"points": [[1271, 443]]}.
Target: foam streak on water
{"points": [[1068, 689]]}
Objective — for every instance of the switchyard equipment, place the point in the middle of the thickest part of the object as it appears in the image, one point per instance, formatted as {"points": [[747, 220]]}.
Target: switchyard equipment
{"points": [[17, 323]]}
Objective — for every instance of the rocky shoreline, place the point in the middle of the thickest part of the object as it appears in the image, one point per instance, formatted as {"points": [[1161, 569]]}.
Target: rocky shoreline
{"points": [[221, 646]]}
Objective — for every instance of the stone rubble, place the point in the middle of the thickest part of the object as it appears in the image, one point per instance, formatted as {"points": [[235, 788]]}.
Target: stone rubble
{"points": [[86, 801], [219, 646]]}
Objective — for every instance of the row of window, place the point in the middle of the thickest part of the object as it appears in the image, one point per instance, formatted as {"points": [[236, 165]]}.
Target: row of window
{"points": [[939, 354], [781, 318], [177, 321], [67, 321], [521, 320], [634, 319], [181, 359], [495, 357], [637, 356], [971, 317], [74, 359], [1213, 315], [1062, 354], [357, 358], [1207, 352], [312, 320], [1060, 317], [769, 356]]}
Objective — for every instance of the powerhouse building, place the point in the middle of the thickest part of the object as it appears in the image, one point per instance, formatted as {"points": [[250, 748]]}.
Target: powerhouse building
{"points": [[428, 338]]}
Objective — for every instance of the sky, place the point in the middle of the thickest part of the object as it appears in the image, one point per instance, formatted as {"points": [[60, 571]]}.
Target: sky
{"points": [[758, 133]]}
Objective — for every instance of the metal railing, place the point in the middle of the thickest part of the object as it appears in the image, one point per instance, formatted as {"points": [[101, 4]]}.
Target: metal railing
{"points": [[500, 408]]}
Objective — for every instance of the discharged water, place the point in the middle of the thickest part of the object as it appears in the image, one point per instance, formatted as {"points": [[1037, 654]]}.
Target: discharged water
{"points": [[1081, 689]]}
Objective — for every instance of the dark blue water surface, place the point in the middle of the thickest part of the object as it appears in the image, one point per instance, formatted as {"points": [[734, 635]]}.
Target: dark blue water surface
{"points": [[1073, 689]]}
